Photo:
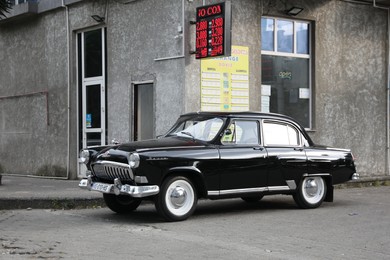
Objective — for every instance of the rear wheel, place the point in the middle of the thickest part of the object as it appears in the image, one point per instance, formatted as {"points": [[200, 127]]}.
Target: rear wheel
{"points": [[177, 199], [311, 192], [121, 204]]}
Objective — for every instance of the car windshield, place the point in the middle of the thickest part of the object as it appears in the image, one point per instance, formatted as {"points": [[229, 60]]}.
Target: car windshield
{"points": [[204, 129]]}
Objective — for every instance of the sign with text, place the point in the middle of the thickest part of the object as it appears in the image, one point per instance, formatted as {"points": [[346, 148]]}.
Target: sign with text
{"points": [[225, 82], [213, 30]]}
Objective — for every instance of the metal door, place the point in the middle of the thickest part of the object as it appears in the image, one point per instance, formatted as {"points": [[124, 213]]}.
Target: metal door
{"points": [[143, 112]]}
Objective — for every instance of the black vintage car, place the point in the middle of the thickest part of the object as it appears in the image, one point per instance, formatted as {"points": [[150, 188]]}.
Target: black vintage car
{"points": [[217, 155]]}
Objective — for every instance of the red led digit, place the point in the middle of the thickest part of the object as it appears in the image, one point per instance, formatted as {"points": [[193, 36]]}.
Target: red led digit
{"points": [[210, 31]]}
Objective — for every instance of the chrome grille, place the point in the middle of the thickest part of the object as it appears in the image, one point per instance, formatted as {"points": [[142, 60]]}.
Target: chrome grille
{"points": [[112, 170]]}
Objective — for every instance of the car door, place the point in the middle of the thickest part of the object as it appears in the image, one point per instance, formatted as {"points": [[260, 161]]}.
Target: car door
{"points": [[243, 159], [286, 154]]}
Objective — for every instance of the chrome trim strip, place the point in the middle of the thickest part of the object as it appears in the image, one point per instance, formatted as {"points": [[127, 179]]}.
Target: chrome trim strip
{"points": [[125, 165], [316, 174], [170, 148], [234, 191], [278, 188], [248, 190], [213, 193], [291, 184]]}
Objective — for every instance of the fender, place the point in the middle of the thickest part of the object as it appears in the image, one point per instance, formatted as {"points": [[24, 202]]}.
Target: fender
{"points": [[192, 173]]}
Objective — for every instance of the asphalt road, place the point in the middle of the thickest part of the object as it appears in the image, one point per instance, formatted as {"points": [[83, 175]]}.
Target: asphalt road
{"points": [[355, 226]]}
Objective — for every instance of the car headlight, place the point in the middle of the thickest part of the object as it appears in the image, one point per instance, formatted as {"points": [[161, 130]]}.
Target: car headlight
{"points": [[84, 156], [134, 160]]}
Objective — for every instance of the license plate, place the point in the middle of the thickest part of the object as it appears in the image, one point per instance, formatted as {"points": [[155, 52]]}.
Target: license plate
{"points": [[102, 187]]}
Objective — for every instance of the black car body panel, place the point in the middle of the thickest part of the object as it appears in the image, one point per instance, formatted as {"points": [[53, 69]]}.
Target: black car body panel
{"points": [[227, 155]]}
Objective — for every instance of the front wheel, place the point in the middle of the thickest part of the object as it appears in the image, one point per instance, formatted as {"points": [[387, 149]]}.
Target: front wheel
{"points": [[121, 204], [311, 192], [177, 199]]}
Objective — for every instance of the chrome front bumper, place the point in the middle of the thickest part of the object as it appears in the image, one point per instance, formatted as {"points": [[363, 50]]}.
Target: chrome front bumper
{"points": [[119, 189]]}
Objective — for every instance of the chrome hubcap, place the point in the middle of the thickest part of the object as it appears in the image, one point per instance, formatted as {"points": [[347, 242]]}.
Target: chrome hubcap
{"points": [[311, 188], [178, 196]]}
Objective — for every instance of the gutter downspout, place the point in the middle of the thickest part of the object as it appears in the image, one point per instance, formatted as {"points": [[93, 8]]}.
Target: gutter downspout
{"points": [[68, 87], [388, 85], [388, 91]]}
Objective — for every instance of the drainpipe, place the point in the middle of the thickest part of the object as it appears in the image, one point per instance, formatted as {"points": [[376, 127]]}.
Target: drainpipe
{"points": [[388, 85], [68, 88], [388, 91]]}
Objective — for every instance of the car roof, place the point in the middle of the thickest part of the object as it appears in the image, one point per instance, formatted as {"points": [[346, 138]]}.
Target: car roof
{"points": [[248, 114]]}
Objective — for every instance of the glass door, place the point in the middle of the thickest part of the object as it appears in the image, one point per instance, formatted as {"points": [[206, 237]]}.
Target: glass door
{"points": [[92, 90], [93, 113]]}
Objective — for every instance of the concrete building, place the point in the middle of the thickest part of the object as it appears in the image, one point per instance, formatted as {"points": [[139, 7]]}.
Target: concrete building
{"points": [[84, 72]]}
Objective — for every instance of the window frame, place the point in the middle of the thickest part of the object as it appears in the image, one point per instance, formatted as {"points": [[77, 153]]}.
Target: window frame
{"points": [[287, 124], [294, 54], [18, 2], [259, 135]]}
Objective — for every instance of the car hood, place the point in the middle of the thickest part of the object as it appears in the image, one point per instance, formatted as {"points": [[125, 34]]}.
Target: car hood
{"points": [[160, 144]]}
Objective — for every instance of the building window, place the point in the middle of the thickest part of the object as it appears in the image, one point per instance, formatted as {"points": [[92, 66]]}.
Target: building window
{"points": [[286, 69], [18, 2]]}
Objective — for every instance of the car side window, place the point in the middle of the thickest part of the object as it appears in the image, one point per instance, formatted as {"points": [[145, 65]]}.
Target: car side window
{"points": [[241, 132], [281, 134]]}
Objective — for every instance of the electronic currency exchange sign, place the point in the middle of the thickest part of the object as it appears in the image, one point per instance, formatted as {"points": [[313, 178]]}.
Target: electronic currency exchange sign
{"points": [[213, 30]]}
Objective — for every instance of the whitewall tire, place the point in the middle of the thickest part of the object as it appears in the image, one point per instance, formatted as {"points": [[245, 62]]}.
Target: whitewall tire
{"points": [[311, 192], [177, 198]]}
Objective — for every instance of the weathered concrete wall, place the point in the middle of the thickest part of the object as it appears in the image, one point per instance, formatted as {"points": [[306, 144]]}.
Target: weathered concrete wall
{"points": [[350, 83], [35, 54], [349, 75], [33, 134], [134, 41]]}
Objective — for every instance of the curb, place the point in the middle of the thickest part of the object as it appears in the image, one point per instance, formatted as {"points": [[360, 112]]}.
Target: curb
{"points": [[50, 203]]}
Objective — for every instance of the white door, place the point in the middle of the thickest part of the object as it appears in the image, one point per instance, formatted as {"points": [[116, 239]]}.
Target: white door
{"points": [[93, 113]]}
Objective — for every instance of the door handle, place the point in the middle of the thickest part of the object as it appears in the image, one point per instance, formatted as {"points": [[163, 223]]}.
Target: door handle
{"points": [[258, 148], [298, 149]]}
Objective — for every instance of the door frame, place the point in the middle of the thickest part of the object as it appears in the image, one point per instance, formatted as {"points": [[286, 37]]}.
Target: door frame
{"points": [[102, 129], [134, 109], [82, 83]]}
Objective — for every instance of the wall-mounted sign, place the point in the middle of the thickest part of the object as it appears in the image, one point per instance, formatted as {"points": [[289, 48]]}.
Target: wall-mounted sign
{"points": [[225, 82], [285, 75], [213, 30], [89, 120]]}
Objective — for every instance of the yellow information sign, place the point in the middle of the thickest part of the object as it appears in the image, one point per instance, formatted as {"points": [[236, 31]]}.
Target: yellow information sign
{"points": [[225, 82]]}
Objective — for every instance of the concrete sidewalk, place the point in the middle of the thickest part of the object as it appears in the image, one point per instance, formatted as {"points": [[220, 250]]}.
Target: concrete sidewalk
{"points": [[38, 193]]}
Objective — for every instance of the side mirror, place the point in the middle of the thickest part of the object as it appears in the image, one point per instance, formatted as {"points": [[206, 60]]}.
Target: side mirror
{"points": [[115, 141], [228, 131]]}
